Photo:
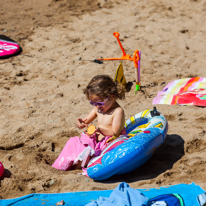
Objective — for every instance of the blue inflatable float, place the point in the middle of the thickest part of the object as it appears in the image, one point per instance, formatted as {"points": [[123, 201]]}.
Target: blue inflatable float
{"points": [[146, 131]]}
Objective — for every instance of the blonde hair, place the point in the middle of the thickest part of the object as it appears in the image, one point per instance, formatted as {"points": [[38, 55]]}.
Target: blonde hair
{"points": [[104, 86]]}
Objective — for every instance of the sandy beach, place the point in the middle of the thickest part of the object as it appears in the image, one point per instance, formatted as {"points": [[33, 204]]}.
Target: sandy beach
{"points": [[42, 88]]}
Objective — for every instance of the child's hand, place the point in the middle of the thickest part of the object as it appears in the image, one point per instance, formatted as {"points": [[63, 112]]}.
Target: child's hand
{"points": [[81, 123], [98, 130]]}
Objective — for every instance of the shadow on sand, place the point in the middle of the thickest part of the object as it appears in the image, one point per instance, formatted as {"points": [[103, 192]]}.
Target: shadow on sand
{"points": [[163, 159], [6, 174]]}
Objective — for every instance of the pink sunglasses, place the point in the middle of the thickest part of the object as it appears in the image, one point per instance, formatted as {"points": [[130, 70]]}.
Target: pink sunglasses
{"points": [[99, 104]]}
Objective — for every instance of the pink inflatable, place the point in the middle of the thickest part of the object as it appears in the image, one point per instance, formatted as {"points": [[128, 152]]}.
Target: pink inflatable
{"points": [[1, 169], [8, 47]]}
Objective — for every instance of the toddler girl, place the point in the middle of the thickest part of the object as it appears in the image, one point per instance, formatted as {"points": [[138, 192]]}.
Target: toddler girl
{"points": [[102, 92]]}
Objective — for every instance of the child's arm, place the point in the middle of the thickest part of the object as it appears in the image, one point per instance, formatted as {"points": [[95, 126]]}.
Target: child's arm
{"points": [[81, 123], [118, 121]]}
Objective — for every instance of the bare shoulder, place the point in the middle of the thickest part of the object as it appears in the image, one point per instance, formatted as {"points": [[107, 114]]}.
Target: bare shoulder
{"points": [[94, 110], [119, 111]]}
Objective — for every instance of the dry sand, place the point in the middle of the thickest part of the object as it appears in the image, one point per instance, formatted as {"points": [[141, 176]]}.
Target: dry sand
{"points": [[42, 88]]}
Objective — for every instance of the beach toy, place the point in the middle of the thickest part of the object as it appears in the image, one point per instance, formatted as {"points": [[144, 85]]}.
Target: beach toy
{"points": [[91, 129], [8, 47], [135, 59], [1, 169], [146, 131]]}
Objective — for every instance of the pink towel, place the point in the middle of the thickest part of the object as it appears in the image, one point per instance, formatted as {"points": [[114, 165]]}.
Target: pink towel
{"points": [[76, 148]]}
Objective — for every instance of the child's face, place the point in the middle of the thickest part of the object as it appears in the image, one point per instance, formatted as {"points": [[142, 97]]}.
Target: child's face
{"points": [[102, 104]]}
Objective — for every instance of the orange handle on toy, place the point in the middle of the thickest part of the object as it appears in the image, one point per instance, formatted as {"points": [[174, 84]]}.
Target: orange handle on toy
{"points": [[136, 58], [117, 35]]}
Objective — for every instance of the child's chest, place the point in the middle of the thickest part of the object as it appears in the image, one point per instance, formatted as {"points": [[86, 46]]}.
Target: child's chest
{"points": [[104, 119]]}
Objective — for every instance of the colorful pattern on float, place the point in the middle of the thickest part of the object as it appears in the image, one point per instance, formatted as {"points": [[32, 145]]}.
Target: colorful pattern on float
{"points": [[145, 133], [8, 47]]}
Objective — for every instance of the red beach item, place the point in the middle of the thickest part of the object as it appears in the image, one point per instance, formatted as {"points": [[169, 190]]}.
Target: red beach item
{"points": [[1, 169], [8, 47]]}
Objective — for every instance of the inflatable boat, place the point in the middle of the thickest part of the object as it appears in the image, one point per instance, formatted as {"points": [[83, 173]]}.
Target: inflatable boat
{"points": [[146, 131]]}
